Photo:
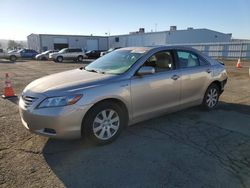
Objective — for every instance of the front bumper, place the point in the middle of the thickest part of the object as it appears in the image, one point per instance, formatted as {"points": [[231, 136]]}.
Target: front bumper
{"points": [[59, 122]]}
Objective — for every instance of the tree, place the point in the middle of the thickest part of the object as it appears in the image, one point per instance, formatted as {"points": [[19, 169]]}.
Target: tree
{"points": [[12, 44]]}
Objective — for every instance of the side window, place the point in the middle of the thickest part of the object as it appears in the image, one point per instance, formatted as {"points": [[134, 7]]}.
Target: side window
{"points": [[203, 61], [161, 61], [187, 59], [70, 51]]}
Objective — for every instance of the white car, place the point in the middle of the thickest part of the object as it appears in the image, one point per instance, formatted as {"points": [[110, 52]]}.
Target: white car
{"points": [[45, 55], [2, 54], [12, 55], [68, 54]]}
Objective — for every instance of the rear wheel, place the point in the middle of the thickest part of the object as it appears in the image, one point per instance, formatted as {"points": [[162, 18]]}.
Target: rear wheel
{"points": [[80, 58], [211, 97], [13, 58], [104, 122], [59, 59]]}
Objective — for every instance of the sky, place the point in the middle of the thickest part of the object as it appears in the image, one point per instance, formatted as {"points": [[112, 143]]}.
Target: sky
{"points": [[19, 18]]}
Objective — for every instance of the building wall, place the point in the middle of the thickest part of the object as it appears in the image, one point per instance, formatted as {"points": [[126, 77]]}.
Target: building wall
{"points": [[42, 42], [84, 42], [34, 42], [140, 39], [196, 36], [168, 37]]}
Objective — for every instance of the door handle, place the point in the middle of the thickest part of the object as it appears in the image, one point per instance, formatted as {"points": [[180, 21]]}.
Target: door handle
{"points": [[208, 71], [175, 77]]}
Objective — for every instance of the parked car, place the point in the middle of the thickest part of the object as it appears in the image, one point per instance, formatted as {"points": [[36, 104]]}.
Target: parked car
{"points": [[94, 54], [110, 50], [68, 54], [124, 87], [2, 54], [45, 55], [13, 55]]}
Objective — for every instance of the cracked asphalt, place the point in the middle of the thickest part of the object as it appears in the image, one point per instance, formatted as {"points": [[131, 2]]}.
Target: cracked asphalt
{"points": [[191, 148]]}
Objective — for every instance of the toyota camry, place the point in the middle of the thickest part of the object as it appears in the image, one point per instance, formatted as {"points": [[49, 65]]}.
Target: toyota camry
{"points": [[124, 87]]}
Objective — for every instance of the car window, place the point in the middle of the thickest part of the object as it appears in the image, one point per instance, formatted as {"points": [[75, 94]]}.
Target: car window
{"points": [[187, 59], [203, 61], [116, 62], [161, 61]]}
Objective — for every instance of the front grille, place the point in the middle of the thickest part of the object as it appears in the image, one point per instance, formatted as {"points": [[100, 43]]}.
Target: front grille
{"points": [[28, 100]]}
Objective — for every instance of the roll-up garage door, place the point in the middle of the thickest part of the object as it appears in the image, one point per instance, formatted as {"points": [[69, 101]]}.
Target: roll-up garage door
{"points": [[60, 43]]}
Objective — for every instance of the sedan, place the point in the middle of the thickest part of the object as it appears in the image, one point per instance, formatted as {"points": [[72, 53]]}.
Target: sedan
{"points": [[45, 55], [122, 88], [93, 54]]}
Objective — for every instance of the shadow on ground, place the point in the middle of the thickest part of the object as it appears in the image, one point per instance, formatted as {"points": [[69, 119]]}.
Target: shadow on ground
{"points": [[6, 61], [14, 100], [182, 149]]}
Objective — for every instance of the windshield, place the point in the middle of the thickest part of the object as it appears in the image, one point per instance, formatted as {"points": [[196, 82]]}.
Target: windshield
{"points": [[116, 62], [63, 50]]}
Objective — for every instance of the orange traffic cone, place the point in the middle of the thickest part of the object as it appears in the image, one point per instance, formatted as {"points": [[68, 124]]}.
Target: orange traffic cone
{"points": [[8, 90], [238, 65]]}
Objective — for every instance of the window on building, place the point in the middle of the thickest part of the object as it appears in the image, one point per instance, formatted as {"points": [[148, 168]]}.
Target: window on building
{"points": [[117, 39]]}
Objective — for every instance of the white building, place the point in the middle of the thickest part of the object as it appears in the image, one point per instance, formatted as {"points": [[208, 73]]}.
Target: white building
{"points": [[42, 42], [173, 36]]}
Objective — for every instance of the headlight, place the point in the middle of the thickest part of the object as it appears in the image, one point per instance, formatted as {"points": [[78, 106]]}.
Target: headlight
{"points": [[59, 101]]}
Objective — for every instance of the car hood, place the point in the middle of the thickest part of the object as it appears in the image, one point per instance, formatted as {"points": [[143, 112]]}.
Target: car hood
{"points": [[68, 81], [54, 53]]}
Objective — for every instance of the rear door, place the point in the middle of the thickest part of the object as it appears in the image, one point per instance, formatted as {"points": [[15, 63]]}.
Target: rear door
{"points": [[68, 54], [159, 92], [196, 74]]}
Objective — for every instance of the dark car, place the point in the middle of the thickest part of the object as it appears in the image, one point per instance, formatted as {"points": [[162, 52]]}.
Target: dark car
{"points": [[93, 54], [28, 53], [110, 50]]}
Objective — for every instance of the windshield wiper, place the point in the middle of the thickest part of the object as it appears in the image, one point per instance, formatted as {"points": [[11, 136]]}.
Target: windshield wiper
{"points": [[93, 70]]}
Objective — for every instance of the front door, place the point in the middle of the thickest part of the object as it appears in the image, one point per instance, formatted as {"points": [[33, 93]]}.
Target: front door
{"points": [[159, 92]]}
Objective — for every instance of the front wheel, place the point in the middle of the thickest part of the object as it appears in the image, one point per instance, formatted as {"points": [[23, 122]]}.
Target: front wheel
{"points": [[211, 97], [13, 58], [59, 59], [80, 58], [104, 122]]}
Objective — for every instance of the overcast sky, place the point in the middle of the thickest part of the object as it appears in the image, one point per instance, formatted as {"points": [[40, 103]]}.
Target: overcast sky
{"points": [[19, 18]]}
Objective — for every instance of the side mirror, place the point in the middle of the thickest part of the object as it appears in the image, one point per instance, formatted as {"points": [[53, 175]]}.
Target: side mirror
{"points": [[146, 70]]}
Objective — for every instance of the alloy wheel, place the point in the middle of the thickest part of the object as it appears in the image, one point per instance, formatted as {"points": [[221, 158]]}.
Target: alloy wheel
{"points": [[212, 97], [106, 124]]}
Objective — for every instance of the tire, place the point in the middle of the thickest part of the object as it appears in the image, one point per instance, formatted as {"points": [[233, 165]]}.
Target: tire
{"points": [[13, 58], [80, 58], [211, 97], [104, 122], [59, 59]]}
